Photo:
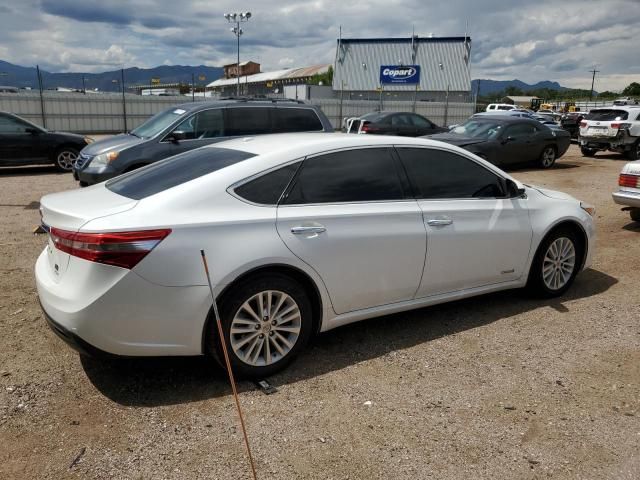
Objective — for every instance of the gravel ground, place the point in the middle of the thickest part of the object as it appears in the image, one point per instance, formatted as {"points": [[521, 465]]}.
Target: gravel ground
{"points": [[495, 387]]}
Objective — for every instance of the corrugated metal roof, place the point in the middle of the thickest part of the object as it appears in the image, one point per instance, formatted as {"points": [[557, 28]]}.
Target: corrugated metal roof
{"points": [[443, 61], [271, 76]]}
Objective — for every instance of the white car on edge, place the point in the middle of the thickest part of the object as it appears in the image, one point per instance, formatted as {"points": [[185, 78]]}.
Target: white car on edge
{"points": [[303, 233]]}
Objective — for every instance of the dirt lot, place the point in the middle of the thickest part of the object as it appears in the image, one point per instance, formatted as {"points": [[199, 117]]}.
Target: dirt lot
{"points": [[496, 387]]}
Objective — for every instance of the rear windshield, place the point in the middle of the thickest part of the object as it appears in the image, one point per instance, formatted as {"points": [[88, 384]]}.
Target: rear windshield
{"points": [[607, 114], [174, 171]]}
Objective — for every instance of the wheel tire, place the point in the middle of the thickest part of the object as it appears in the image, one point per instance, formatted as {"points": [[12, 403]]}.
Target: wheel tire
{"points": [[634, 152], [548, 157], [588, 152], [65, 158], [537, 283], [635, 214], [233, 306]]}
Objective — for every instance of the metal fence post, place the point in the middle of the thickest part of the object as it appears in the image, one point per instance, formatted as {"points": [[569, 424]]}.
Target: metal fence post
{"points": [[446, 108], [42, 112], [124, 103]]}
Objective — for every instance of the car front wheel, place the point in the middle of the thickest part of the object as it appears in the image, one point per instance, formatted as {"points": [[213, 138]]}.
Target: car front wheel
{"points": [[635, 214], [556, 263], [548, 157], [634, 151], [65, 158], [266, 323]]}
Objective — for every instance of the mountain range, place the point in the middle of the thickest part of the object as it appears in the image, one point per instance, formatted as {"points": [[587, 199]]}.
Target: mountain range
{"points": [[18, 76]]}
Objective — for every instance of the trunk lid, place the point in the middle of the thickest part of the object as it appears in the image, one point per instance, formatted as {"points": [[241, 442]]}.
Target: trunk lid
{"points": [[71, 210]]}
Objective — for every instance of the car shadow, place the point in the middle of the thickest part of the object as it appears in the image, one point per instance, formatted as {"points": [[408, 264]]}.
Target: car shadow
{"points": [[632, 227], [174, 380], [28, 171]]}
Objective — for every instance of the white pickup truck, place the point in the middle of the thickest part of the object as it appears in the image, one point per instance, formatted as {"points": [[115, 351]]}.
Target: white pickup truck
{"points": [[629, 192], [616, 129]]}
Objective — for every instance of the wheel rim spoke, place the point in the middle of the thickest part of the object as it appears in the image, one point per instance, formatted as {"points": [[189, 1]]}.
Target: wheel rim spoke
{"points": [[559, 263], [265, 328]]}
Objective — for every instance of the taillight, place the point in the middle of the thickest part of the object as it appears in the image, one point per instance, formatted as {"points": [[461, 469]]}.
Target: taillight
{"points": [[122, 249], [367, 128], [632, 181], [583, 124], [615, 126]]}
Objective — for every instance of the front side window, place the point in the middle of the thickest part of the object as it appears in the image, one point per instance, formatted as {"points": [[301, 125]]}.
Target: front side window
{"points": [[418, 121], [205, 124], [361, 175], [296, 120], [521, 130], [248, 121], [10, 125], [437, 174]]}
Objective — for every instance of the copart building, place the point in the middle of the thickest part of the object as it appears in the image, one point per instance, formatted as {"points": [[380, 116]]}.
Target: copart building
{"points": [[413, 68]]}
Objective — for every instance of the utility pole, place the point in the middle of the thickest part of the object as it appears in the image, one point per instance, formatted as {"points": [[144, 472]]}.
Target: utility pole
{"points": [[593, 79]]}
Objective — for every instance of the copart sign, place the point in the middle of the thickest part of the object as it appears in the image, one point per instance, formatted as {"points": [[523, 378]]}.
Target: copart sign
{"points": [[407, 74]]}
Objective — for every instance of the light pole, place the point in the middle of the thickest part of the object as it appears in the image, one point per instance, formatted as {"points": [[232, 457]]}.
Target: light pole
{"points": [[237, 18]]}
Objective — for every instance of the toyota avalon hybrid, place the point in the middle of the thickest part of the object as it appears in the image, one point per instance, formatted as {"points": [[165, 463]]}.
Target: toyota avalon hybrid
{"points": [[303, 233]]}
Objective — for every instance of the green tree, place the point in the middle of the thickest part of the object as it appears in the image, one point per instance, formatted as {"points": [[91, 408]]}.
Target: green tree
{"points": [[326, 78], [632, 90]]}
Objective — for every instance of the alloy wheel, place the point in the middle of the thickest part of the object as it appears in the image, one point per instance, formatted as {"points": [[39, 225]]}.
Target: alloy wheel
{"points": [[265, 328], [558, 263], [548, 157], [66, 159]]}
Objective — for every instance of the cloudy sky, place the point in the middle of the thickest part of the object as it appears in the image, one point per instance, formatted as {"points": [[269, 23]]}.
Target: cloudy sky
{"points": [[531, 41]]}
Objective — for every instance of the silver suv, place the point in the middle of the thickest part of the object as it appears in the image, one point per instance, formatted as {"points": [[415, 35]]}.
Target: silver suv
{"points": [[616, 129]]}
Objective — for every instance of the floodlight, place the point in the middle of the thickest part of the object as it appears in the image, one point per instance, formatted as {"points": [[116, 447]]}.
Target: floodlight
{"points": [[247, 15]]}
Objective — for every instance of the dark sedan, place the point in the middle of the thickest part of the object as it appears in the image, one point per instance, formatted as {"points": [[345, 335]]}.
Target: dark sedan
{"points": [[506, 141], [24, 143], [394, 123]]}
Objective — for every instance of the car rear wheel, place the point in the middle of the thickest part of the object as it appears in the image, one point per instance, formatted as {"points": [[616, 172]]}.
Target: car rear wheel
{"points": [[634, 152], [556, 263], [266, 323], [65, 158], [635, 214], [548, 157], [587, 152]]}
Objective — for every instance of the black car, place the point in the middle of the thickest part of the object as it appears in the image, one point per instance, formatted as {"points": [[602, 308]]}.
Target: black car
{"points": [[506, 141], [192, 125], [393, 123], [24, 143], [571, 122]]}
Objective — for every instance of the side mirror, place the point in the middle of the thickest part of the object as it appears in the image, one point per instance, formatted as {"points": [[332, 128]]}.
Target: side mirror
{"points": [[32, 131], [508, 139], [176, 136], [513, 191]]}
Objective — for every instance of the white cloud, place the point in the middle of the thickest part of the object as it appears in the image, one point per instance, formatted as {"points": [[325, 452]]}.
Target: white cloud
{"points": [[544, 40]]}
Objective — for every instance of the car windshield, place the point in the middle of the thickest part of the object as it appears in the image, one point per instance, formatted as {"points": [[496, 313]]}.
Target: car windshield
{"points": [[607, 114], [158, 123], [481, 129]]}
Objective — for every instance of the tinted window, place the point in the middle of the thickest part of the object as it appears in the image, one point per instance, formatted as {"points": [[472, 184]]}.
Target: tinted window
{"points": [[520, 130], [174, 171], [248, 121], [11, 125], [607, 114], [296, 120], [268, 188], [349, 176], [504, 107], [418, 121], [441, 174], [401, 121], [205, 124]]}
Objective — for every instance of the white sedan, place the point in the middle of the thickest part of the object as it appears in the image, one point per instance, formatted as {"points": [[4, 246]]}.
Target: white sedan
{"points": [[303, 233], [628, 194]]}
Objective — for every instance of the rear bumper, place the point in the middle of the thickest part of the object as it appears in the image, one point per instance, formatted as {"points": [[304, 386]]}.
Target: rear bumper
{"points": [[626, 198], [109, 311]]}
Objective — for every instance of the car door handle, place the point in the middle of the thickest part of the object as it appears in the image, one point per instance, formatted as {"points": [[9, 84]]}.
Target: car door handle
{"points": [[308, 229], [439, 222]]}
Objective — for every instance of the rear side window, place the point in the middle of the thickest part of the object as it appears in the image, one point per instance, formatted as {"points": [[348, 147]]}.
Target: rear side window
{"points": [[350, 176], [248, 121], [607, 115], [439, 174], [268, 188], [418, 121], [174, 171], [296, 120]]}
